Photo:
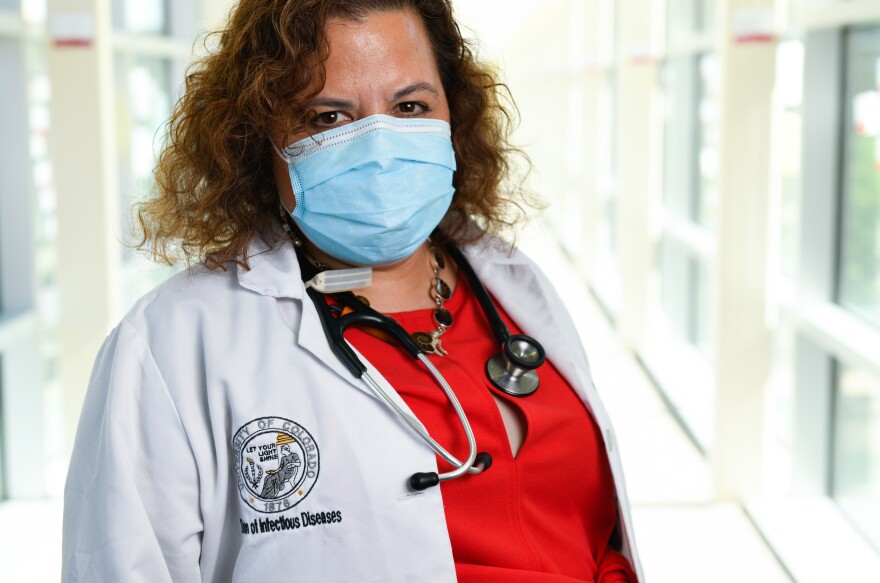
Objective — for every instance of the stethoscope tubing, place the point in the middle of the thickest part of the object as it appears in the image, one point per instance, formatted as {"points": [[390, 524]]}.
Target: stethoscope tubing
{"points": [[371, 318], [460, 467], [499, 328]]}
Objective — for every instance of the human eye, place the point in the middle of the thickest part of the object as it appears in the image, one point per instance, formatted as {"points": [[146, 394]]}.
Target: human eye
{"points": [[329, 119], [412, 108]]}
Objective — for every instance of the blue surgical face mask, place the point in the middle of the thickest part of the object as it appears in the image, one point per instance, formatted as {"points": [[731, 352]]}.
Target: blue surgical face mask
{"points": [[370, 192]]}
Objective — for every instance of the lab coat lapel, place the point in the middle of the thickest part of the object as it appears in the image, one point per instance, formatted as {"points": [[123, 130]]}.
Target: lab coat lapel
{"points": [[274, 272], [519, 289]]}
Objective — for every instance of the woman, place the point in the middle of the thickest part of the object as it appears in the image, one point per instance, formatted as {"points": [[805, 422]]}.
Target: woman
{"points": [[222, 439]]}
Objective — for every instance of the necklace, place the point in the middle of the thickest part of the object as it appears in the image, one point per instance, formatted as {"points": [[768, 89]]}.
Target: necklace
{"points": [[440, 292], [286, 223]]}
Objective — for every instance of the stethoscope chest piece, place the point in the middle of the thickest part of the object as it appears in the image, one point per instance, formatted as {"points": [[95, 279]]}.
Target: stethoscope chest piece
{"points": [[513, 371]]}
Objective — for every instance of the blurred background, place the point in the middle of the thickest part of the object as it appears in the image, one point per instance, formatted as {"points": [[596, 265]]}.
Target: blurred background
{"points": [[713, 174]]}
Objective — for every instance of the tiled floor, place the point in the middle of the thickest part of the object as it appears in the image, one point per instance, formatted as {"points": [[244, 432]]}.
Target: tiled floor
{"points": [[683, 537]]}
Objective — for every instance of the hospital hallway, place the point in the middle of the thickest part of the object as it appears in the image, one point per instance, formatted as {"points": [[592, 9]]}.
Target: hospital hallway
{"points": [[707, 176], [683, 535]]}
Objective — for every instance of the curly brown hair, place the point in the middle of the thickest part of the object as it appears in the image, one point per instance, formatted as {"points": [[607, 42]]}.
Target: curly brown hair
{"points": [[214, 188]]}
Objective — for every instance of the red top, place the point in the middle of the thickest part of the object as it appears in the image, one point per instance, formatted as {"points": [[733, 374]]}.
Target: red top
{"points": [[545, 515]]}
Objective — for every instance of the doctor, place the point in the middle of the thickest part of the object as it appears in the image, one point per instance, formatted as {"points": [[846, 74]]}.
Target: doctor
{"points": [[223, 440]]}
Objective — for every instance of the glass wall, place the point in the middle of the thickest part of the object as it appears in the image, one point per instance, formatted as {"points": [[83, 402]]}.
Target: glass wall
{"points": [[681, 319], [782, 257], [607, 285], [856, 437], [860, 240], [856, 468], [691, 88], [788, 97], [22, 172], [147, 84], [46, 232], [144, 99], [141, 16]]}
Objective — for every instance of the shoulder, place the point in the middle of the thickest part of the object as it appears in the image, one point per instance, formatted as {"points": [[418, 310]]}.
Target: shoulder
{"points": [[489, 249], [192, 293], [500, 262], [200, 298]]}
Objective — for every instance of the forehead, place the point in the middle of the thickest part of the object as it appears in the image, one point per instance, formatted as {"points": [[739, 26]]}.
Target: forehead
{"points": [[390, 47]]}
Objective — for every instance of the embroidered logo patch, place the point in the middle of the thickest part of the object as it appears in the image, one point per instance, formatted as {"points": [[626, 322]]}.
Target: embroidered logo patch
{"points": [[276, 463]]}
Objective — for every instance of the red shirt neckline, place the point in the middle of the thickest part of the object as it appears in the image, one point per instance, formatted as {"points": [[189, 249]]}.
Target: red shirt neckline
{"points": [[545, 515]]}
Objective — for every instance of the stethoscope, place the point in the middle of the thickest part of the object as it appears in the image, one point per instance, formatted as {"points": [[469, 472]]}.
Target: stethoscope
{"points": [[512, 371]]}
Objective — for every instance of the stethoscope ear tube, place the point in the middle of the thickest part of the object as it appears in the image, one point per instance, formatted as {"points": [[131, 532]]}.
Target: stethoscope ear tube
{"points": [[512, 371], [499, 328], [334, 334], [365, 317]]}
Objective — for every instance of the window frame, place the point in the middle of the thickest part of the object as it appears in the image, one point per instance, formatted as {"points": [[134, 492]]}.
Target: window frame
{"points": [[826, 336], [666, 354]]}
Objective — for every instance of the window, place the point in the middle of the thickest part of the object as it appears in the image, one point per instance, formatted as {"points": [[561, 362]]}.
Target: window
{"points": [[680, 321], [788, 95], [141, 16], [24, 123], [856, 469], [607, 284], [709, 138], [860, 238], [691, 85], [144, 99], [147, 78]]}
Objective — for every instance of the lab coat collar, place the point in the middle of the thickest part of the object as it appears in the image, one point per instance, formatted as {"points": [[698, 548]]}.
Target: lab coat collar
{"points": [[493, 251], [274, 270]]}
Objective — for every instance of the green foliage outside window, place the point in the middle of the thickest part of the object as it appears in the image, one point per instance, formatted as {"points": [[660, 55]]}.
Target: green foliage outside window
{"points": [[860, 258]]}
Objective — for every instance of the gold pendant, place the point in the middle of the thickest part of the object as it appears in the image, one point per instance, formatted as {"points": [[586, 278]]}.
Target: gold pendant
{"points": [[429, 344], [425, 342]]}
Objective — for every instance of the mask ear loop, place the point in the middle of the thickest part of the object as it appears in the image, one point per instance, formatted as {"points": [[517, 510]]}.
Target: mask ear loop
{"points": [[287, 159]]}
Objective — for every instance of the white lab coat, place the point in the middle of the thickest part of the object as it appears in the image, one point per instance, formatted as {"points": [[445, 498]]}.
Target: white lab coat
{"points": [[171, 428]]}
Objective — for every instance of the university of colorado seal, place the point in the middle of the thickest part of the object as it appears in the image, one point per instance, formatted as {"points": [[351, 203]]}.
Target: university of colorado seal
{"points": [[276, 463]]}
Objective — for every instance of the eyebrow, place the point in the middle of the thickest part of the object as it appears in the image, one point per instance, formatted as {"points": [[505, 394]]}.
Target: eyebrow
{"points": [[405, 92], [415, 88], [332, 103]]}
